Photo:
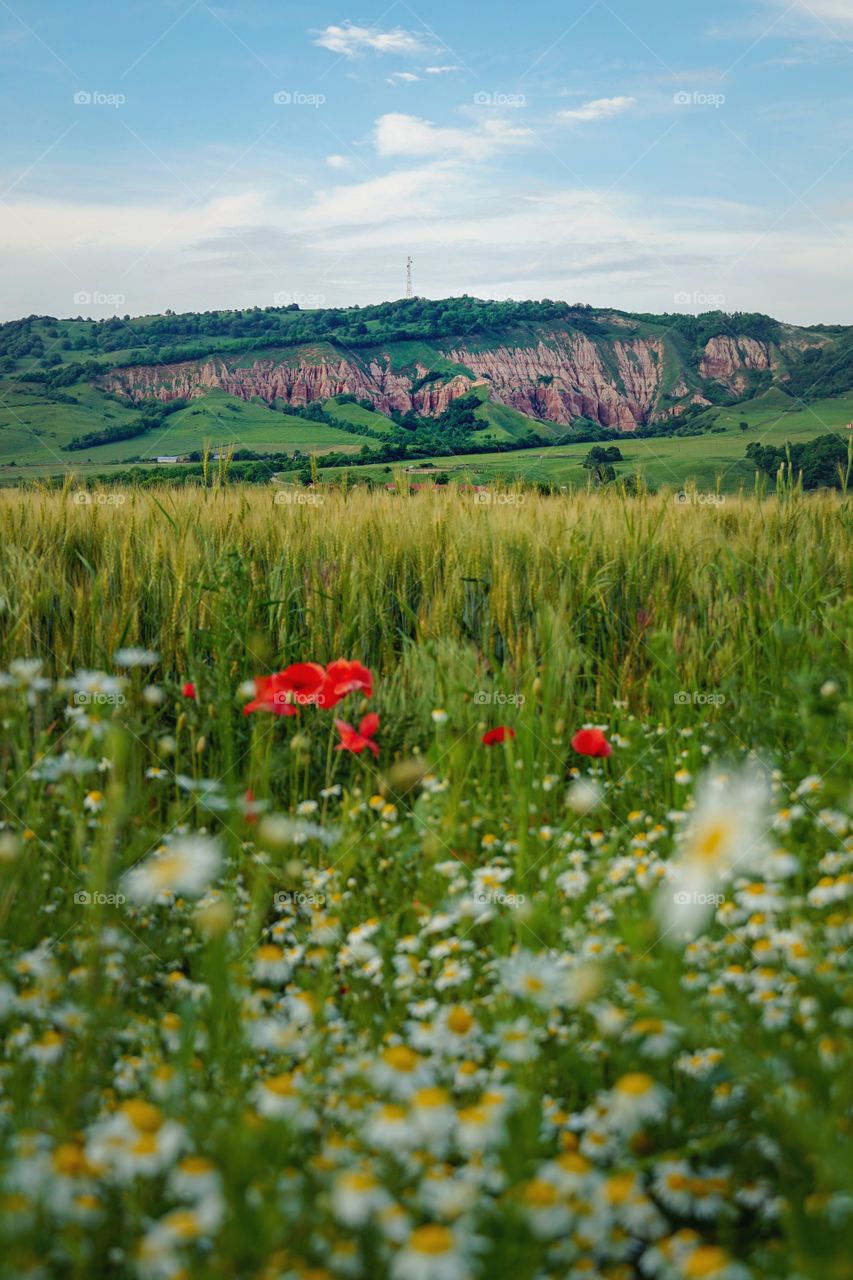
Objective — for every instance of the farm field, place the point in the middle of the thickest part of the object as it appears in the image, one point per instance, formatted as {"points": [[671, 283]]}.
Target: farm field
{"points": [[426, 889], [34, 431], [708, 461]]}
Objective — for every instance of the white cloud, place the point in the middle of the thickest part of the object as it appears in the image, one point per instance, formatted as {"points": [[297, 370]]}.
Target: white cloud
{"points": [[350, 40], [402, 77], [834, 12], [439, 71], [338, 162], [598, 109], [402, 135]]}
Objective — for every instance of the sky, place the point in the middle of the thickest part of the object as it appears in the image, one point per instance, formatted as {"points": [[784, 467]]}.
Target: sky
{"points": [[650, 155]]}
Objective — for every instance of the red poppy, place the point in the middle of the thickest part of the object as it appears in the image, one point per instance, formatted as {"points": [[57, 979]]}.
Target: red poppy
{"points": [[272, 693], [282, 693], [188, 689], [356, 740], [305, 680], [343, 677], [497, 735], [591, 742], [250, 811]]}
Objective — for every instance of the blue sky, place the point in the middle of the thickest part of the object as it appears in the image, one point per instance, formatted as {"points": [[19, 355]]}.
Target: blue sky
{"points": [[654, 156]]}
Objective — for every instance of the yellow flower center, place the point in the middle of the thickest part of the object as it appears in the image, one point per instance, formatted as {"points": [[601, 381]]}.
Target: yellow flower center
{"points": [[433, 1240], [459, 1020]]}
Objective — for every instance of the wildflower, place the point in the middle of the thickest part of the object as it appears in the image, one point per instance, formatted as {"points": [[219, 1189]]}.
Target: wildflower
{"points": [[727, 829], [591, 742], [357, 1196], [501, 734], [583, 796], [187, 866], [343, 677], [136, 657], [439, 715], [356, 740], [188, 690], [430, 1253], [277, 1097], [633, 1101], [273, 694]]}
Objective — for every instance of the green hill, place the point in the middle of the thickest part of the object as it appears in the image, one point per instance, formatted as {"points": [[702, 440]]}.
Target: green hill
{"points": [[417, 378]]}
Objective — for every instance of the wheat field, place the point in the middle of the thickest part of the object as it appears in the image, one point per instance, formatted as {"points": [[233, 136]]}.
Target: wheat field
{"points": [[436, 887]]}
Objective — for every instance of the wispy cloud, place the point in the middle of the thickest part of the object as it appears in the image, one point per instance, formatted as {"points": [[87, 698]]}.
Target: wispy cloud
{"points": [[837, 13], [403, 135], [598, 109], [350, 40]]}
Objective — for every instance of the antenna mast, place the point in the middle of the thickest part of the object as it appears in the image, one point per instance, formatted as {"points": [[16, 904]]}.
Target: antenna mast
{"points": [[409, 291]]}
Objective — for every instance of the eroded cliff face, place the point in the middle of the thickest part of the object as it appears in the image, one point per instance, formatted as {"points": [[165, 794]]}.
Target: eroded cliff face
{"points": [[566, 379], [730, 361], [284, 384], [559, 380]]}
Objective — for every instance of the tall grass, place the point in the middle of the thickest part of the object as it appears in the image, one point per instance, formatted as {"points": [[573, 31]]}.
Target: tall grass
{"points": [[700, 630], [439, 589]]}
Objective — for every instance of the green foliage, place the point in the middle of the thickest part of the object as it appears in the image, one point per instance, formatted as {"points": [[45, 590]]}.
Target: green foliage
{"points": [[822, 462]]}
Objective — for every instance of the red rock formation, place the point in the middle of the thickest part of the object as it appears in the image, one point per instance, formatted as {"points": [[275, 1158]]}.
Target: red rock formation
{"points": [[563, 377], [730, 360]]}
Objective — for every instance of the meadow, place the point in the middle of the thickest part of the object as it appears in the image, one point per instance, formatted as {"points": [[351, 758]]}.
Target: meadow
{"points": [[445, 886]]}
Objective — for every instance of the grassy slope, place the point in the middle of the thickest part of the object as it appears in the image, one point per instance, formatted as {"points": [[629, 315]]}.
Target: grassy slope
{"points": [[33, 431], [358, 416], [33, 428], [671, 461]]}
